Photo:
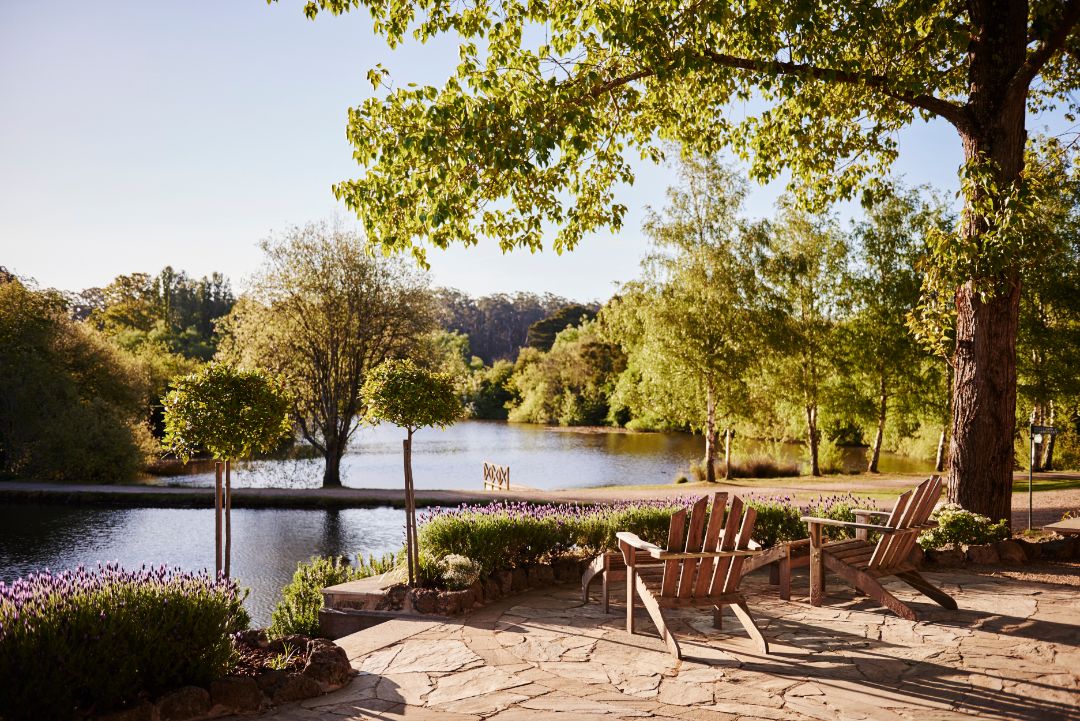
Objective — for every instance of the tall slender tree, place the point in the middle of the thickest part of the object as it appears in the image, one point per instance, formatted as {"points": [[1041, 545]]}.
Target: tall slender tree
{"points": [[691, 326], [533, 129]]}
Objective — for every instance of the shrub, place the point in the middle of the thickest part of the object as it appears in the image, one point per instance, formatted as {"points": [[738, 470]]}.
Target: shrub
{"points": [[508, 535], [756, 467], [958, 526], [100, 639], [301, 600], [778, 518], [457, 572]]}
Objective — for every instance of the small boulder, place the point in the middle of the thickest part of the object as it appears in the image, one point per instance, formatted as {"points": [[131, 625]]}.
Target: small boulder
{"points": [[393, 598], [506, 582], [1010, 552], [238, 694], [270, 679], [945, 557], [424, 600], [327, 664], [983, 553], [187, 702], [566, 571], [492, 589], [252, 638], [1059, 549], [541, 576], [296, 688], [1032, 551]]}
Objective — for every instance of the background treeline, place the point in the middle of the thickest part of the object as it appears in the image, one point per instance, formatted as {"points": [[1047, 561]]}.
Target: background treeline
{"points": [[791, 328]]}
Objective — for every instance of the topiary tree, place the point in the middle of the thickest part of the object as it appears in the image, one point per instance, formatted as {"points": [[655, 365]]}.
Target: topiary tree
{"points": [[411, 397], [231, 414]]}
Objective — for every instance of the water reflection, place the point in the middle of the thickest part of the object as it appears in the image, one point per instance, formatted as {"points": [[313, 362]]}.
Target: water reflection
{"points": [[538, 456], [267, 544]]}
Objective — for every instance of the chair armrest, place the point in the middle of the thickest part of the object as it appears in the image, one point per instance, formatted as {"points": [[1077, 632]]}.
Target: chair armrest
{"points": [[867, 512], [848, 524], [632, 541]]}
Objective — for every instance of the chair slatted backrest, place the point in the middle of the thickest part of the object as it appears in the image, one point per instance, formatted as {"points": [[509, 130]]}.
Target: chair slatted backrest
{"points": [[911, 512], [700, 577]]}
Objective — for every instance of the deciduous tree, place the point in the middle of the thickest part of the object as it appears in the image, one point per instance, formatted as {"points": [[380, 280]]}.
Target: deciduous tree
{"points": [[535, 126]]}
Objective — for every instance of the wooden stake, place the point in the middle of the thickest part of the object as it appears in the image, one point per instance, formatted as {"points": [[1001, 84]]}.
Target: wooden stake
{"points": [[217, 519], [228, 516]]}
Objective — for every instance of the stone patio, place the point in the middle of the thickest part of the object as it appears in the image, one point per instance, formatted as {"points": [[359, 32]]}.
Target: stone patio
{"points": [[1011, 652]]}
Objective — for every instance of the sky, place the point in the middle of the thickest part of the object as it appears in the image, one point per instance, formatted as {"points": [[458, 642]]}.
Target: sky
{"points": [[136, 134]]}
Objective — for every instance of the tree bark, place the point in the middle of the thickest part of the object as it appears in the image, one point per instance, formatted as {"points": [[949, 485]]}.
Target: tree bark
{"points": [[883, 406], [984, 388], [412, 551], [217, 518], [946, 419], [335, 449], [710, 436], [813, 438], [728, 436]]}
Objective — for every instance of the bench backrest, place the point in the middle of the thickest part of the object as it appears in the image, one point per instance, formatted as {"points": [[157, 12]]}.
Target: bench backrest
{"points": [[707, 531], [910, 514]]}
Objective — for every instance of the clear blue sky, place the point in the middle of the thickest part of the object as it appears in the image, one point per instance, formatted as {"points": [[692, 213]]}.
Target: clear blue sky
{"points": [[143, 133]]}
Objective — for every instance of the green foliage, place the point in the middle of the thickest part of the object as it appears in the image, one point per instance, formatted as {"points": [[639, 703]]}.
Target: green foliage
{"points": [[71, 406], [492, 392], [228, 412], [570, 384], [497, 325], [301, 600], [957, 526], [323, 312], [84, 642], [169, 309], [411, 397], [542, 333], [458, 572]]}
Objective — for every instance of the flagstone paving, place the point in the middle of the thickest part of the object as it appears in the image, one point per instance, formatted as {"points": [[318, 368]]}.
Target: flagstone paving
{"points": [[1011, 652]]}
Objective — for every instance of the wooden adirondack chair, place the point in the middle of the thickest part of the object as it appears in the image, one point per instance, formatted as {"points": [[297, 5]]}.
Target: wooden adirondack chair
{"points": [[861, 563], [703, 571]]}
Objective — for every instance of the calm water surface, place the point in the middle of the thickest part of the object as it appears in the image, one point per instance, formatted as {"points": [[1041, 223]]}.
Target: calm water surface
{"points": [[539, 457], [266, 544]]}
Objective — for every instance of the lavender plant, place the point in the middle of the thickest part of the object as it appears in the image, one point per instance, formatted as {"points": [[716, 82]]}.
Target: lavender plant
{"points": [[92, 640], [505, 535]]}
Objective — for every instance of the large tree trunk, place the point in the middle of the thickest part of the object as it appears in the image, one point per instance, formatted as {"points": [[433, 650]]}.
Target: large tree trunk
{"points": [[984, 388], [813, 438], [883, 407], [710, 436], [332, 471], [946, 419]]}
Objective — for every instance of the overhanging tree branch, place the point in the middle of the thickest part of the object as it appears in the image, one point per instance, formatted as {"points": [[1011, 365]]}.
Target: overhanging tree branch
{"points": [[950, 111], [1041, 55]]}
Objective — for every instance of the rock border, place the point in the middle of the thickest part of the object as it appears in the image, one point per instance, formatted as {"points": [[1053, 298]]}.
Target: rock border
{"points": [[327, 669], [1009, 551]]}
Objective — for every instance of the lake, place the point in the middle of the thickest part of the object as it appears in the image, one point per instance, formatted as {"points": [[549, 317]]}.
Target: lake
{"points": [[266, 544], [541, 457]]}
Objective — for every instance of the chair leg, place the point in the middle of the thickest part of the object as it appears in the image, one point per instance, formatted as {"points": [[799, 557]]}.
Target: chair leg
{"points": [[718, 616], [817, 566], [631, 579], [871, 587], [784, 573], [920, 584], [596, 567], [604, 590], [742, 612], [650, 604]]}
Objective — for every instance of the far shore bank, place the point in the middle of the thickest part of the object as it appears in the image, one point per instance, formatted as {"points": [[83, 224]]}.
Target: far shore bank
{"points": [[1056, 493]]}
